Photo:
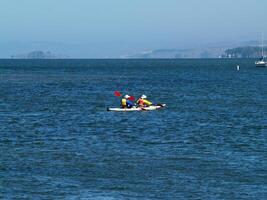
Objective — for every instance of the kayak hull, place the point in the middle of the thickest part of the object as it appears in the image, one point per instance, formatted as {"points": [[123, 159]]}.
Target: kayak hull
{"points": [[153, 107]]}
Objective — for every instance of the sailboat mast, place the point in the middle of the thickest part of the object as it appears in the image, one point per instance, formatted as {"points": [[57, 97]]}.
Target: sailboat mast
{"points": [[262, 44]]}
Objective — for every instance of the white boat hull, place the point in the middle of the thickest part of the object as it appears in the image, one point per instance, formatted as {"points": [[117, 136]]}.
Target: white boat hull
{"points": [[261, 64], [153, 107]]}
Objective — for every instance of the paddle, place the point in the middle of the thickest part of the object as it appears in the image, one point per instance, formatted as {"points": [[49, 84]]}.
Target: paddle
{"points": [[131, 98], [118, 94]]}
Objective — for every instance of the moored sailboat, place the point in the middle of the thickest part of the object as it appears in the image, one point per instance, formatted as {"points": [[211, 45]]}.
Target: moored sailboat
{"points": [[261, 62]]}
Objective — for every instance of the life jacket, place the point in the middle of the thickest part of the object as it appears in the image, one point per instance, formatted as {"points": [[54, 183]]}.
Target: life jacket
{"points": [[140, 102], [146, 102], [123, 103]]}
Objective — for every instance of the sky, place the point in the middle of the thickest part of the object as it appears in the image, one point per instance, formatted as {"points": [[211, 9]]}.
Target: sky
{"points": [[113, 28]]}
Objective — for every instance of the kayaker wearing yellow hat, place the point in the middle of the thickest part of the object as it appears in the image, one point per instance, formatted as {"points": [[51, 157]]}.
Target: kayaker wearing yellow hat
{"points": [[143, 102]]}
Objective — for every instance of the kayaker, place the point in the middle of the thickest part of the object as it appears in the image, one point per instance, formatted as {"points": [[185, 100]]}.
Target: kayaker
{"points": [[143, 102], [126, 103]]}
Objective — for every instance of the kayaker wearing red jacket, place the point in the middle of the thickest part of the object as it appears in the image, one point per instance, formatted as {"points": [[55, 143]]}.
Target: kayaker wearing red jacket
{"points": [[143, 102]]}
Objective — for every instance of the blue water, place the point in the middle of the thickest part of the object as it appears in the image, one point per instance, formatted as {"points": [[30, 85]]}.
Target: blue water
{"points": [[57, 141]]}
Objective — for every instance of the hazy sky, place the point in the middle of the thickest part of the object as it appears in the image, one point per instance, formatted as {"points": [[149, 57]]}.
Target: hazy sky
{"points": [[104, 28]]}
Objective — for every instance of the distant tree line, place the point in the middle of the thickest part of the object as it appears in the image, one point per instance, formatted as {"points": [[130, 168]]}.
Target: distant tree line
{"points": [[35, 55], [244, 52]]}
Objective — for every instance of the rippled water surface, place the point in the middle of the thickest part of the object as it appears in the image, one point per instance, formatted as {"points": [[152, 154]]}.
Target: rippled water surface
{"points": [[57, 141]]}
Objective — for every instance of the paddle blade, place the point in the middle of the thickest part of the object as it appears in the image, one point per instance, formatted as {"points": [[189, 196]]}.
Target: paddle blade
{"points": [[131, 98], [117, 93]]}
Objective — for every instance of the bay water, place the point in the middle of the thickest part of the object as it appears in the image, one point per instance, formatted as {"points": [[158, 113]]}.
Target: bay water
{"points": [[57, 140]]}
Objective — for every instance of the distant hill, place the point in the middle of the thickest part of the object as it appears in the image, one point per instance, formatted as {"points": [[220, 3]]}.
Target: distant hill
{"points": [[218, 50], [37, 55], [244, 52], [226, 49], [180, 53]]}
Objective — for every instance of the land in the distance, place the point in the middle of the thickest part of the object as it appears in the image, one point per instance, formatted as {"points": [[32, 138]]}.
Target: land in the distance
{"points": [[245, 50]]}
